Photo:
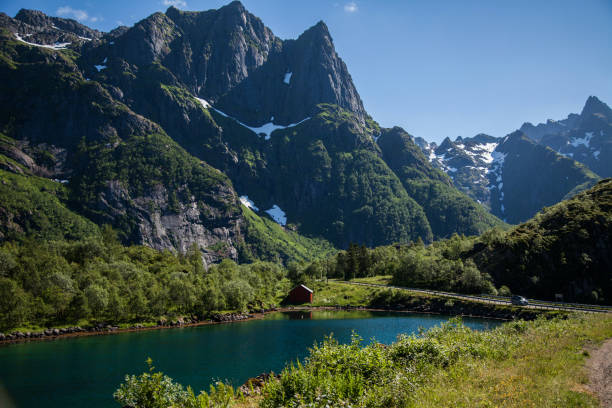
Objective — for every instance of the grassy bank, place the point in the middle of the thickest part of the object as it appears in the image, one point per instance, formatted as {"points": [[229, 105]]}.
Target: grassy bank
{"points": [[519, 364], [341, 294]]}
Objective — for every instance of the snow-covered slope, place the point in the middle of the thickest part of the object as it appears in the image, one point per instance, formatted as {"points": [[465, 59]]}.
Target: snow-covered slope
{"points": [[468, 162]]}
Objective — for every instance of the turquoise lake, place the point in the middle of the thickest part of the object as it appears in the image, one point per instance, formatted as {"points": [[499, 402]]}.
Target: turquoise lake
{"points": [[85, 371]]}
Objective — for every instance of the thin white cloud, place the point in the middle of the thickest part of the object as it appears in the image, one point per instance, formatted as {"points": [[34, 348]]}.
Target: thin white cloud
{"points": [[351, 7], [175, 3], [67, 11]]}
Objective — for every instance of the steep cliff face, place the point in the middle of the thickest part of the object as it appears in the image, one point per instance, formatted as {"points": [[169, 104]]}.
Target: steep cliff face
{"points": [[231, 59], [293, 80]]}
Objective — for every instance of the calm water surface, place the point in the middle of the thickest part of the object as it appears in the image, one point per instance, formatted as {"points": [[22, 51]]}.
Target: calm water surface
{"points": [[85, 371]]}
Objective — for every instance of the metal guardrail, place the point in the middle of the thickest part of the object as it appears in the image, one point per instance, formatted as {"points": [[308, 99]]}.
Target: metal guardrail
{"points": [[533, 303], [551, 302]]}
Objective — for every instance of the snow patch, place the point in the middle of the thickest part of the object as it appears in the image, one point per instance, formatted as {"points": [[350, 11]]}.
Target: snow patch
{"points": [[432, 155], [496, 169], [277, 215], [287, 78], [487, 151], [100, 67], [84, 38], [204, 103], [111, 43], [56, 46], [266, 129], [596, 154], [248, 203], [585, 141], [61, 181]]}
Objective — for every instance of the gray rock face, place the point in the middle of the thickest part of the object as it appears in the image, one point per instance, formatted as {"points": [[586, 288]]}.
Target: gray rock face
{"points": [[290, 84], [160, 227]]}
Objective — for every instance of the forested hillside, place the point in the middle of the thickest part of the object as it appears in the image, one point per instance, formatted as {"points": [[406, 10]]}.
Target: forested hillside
{"points": [[565, 249]]}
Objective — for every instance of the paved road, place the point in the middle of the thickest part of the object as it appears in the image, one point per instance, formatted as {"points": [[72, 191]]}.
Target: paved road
{"points": [[533, 303]]}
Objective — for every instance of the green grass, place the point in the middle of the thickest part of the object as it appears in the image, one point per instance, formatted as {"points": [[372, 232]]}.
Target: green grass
{"points": [[377, 280], [519, 364], [545, 369], [37, 208], [340, 294]]}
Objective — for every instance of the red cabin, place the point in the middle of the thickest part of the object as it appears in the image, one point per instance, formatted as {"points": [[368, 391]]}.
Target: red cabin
{"points": [[300, 294]]}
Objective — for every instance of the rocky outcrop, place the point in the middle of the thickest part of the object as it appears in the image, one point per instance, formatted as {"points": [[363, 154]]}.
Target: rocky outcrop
{"points": [[159, 226], [110, 157]]}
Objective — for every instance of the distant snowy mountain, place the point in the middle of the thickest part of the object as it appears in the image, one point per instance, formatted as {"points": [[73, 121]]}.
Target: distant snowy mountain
{"points": [[513, 176], [586, 137]]}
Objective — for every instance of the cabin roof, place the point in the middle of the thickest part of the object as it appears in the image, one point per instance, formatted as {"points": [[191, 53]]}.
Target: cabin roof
{"points": [[303, 286]]}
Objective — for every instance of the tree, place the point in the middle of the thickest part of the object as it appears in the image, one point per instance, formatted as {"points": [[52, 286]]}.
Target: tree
{"points": [[352, 261], [13, 303], [364, 261], [97, 299]]}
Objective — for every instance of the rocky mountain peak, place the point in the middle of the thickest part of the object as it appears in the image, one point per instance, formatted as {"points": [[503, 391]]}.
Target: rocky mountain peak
{"points": [[234, 6], [483, 138], [513, 137], [445, 145], [594, 106], [319, 30], [46, 30], [173, 12]]}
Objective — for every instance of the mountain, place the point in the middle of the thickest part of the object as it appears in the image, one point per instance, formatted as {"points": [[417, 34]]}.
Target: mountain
{"points": [[586, 137], [106, 164], [513, 176], [448, 210], [204, 128]]}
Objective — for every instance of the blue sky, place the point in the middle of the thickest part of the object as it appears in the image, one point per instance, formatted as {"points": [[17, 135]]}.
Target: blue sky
{"points": [[437, 68]]}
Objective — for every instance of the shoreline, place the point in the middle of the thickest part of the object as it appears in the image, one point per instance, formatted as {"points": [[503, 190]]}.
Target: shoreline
{"points": [[230, 318]]}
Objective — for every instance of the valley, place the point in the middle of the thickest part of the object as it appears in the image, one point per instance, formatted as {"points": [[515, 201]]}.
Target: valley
{"points": [[194, 168]]}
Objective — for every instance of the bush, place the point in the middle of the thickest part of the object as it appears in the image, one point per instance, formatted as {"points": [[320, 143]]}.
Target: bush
{"points": [[156, 390]]}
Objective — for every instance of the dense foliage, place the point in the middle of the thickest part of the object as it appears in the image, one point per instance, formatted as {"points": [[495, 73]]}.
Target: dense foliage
{"points": [[437, 266], [265, 239], [36, 207], [61, 282]]}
